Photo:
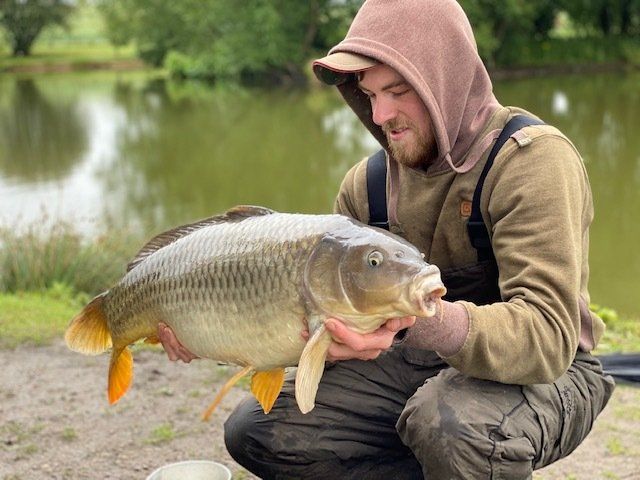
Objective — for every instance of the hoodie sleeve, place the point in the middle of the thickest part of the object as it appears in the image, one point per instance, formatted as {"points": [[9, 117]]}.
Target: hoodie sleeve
{"points": [[538, 206]]}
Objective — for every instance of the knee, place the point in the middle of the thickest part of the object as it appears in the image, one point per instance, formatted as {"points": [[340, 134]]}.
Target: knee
{"points": [[439, 432], [242, 433], [466, 428], [443, 428]]}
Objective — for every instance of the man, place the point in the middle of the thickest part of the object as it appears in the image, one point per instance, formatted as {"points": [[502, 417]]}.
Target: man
{"points": [[500, 382]]}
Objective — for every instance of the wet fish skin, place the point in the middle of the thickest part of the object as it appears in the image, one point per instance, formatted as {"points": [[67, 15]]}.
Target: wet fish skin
{"points": [[241, 287]]}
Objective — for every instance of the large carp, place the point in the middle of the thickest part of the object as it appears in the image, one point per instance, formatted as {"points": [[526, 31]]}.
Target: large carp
{"points": [[241, 288]]}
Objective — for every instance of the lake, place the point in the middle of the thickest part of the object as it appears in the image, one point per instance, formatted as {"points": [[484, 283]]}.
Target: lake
{"points": [[130, 150]]}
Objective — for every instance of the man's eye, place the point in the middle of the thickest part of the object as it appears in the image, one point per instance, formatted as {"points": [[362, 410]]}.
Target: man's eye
{"points": [[399, 93]]}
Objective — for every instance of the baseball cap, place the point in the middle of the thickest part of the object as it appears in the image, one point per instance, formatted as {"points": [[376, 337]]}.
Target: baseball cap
{"points": [[335, 68]]}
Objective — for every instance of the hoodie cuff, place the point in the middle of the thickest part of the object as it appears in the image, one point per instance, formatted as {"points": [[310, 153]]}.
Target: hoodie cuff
{"points": [[444, 333]]}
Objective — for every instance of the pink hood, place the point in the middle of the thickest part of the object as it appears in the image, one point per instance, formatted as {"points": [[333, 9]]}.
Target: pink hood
{"points": [[431, 44]]}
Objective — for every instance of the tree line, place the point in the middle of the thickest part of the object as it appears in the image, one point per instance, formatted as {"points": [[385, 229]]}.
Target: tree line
{"points": [[272, 40]]}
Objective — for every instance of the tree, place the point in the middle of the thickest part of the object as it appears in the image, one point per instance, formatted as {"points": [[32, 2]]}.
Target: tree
{"points": [[608, 17], [24, 20], [248, 40], [501, 25]]}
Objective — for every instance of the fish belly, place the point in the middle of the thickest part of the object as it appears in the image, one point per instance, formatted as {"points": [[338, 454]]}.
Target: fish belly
{"points": [[259, 341]]}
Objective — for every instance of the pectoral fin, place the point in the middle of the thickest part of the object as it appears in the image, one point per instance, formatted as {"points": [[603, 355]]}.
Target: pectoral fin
{"points": [[223, 391], [266, 386], [310, 368]]}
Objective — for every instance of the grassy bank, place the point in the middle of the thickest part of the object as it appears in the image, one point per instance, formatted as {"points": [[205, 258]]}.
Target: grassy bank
{"points": [[47, 273], [36, 318], [81, 46]]}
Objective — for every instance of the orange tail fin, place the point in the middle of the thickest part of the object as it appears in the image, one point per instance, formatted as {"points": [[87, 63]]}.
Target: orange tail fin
{"points": [[120, 374], [88, 332]]}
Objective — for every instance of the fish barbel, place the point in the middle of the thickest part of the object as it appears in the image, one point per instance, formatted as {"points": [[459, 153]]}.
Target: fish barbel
{"points": [[242, 287]]}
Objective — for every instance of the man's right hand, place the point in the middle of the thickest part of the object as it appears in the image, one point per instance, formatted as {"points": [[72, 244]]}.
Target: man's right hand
{"points": [[175, 350]]}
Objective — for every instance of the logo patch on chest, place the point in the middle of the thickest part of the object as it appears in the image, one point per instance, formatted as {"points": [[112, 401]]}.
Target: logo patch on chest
{"points": [[465, 208]]}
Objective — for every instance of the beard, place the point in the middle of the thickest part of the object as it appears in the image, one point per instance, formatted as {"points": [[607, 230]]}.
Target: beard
{"points": [[415, 150]]}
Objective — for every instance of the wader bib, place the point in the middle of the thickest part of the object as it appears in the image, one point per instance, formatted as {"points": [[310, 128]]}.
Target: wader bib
{"points": [[408, 415]]}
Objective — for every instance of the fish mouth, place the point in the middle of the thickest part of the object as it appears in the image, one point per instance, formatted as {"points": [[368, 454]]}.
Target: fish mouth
{"points": [[428, 295]]}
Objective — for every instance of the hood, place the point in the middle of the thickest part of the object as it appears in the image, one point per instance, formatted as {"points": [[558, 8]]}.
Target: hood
{"points": [[431, 44]]}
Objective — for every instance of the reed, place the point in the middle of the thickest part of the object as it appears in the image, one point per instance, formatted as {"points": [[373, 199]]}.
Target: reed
{"points": [[40, 257]]}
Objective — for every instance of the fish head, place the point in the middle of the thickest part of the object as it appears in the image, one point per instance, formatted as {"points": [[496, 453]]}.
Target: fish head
{"points": [[366, 272]]}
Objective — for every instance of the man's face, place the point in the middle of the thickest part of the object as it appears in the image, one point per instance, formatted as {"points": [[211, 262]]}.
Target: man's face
{"points": [[401, 114]]}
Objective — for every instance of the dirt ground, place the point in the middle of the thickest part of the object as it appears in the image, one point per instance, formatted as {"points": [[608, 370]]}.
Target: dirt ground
{"points": [[55, 422]]}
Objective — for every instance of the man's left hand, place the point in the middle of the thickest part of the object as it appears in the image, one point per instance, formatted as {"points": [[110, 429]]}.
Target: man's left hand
{"points": [[348, 344]]}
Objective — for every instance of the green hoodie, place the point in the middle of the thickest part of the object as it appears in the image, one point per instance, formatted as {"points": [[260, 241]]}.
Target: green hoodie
{"points": [[536, 199]]}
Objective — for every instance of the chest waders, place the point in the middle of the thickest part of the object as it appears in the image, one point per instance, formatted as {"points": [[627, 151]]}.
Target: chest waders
{"points": [[406, 415], [478, 282]]}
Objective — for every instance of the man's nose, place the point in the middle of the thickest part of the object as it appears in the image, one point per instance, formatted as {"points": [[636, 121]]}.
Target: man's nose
{"points": [[383, 110]]}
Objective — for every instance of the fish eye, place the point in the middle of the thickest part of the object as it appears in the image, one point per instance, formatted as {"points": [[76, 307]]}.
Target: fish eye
{"points": [[374, 258]]}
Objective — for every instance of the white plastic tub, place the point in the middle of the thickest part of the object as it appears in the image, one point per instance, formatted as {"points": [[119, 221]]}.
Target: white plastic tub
{"points": [[192, 470]]}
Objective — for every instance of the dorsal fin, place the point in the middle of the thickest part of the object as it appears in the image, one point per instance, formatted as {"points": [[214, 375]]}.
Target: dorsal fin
{"points": [[234, 214]]}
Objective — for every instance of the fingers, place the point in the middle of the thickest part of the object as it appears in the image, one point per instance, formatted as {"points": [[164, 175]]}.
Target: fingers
{"points": [[349, 344], [397, 324], [175, 350]]}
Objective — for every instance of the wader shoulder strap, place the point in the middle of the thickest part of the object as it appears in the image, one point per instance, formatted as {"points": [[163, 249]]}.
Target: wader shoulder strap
{"points": [[377, 189], [476, 228], [478, 235]]}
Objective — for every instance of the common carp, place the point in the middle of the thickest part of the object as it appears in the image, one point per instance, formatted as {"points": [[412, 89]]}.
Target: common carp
{"points": [[242, 286]]}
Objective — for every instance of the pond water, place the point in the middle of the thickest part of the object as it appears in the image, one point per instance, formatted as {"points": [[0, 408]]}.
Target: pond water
{"points": [[116, 150]]}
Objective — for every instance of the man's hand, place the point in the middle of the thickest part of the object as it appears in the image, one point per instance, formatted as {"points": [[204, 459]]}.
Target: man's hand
{"points": [[175, 350], [348, 344]]}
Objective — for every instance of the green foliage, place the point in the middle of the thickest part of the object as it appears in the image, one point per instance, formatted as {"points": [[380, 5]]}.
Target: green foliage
{"points": [[608, 315], [156, 26], [523, 33], [40, 258], [250, 41], [564, 52], [497, 25], [24, 20], [604, 17], [621, 335]]}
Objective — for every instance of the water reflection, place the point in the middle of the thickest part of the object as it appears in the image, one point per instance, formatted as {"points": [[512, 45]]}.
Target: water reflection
{"points": [[601, 120], [193, 155], [148, 154], [40, 138]]}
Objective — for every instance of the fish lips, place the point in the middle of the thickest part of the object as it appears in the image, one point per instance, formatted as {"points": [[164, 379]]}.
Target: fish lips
{"points": [[426, 294]]}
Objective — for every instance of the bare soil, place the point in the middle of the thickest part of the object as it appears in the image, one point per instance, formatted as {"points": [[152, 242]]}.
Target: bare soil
{"points": [[55, 421]]}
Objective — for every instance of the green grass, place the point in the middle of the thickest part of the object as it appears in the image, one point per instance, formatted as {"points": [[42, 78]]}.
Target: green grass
{"points": [[615, 446], [69, 56], [161, 434], [35, 318], [68, 434]]}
